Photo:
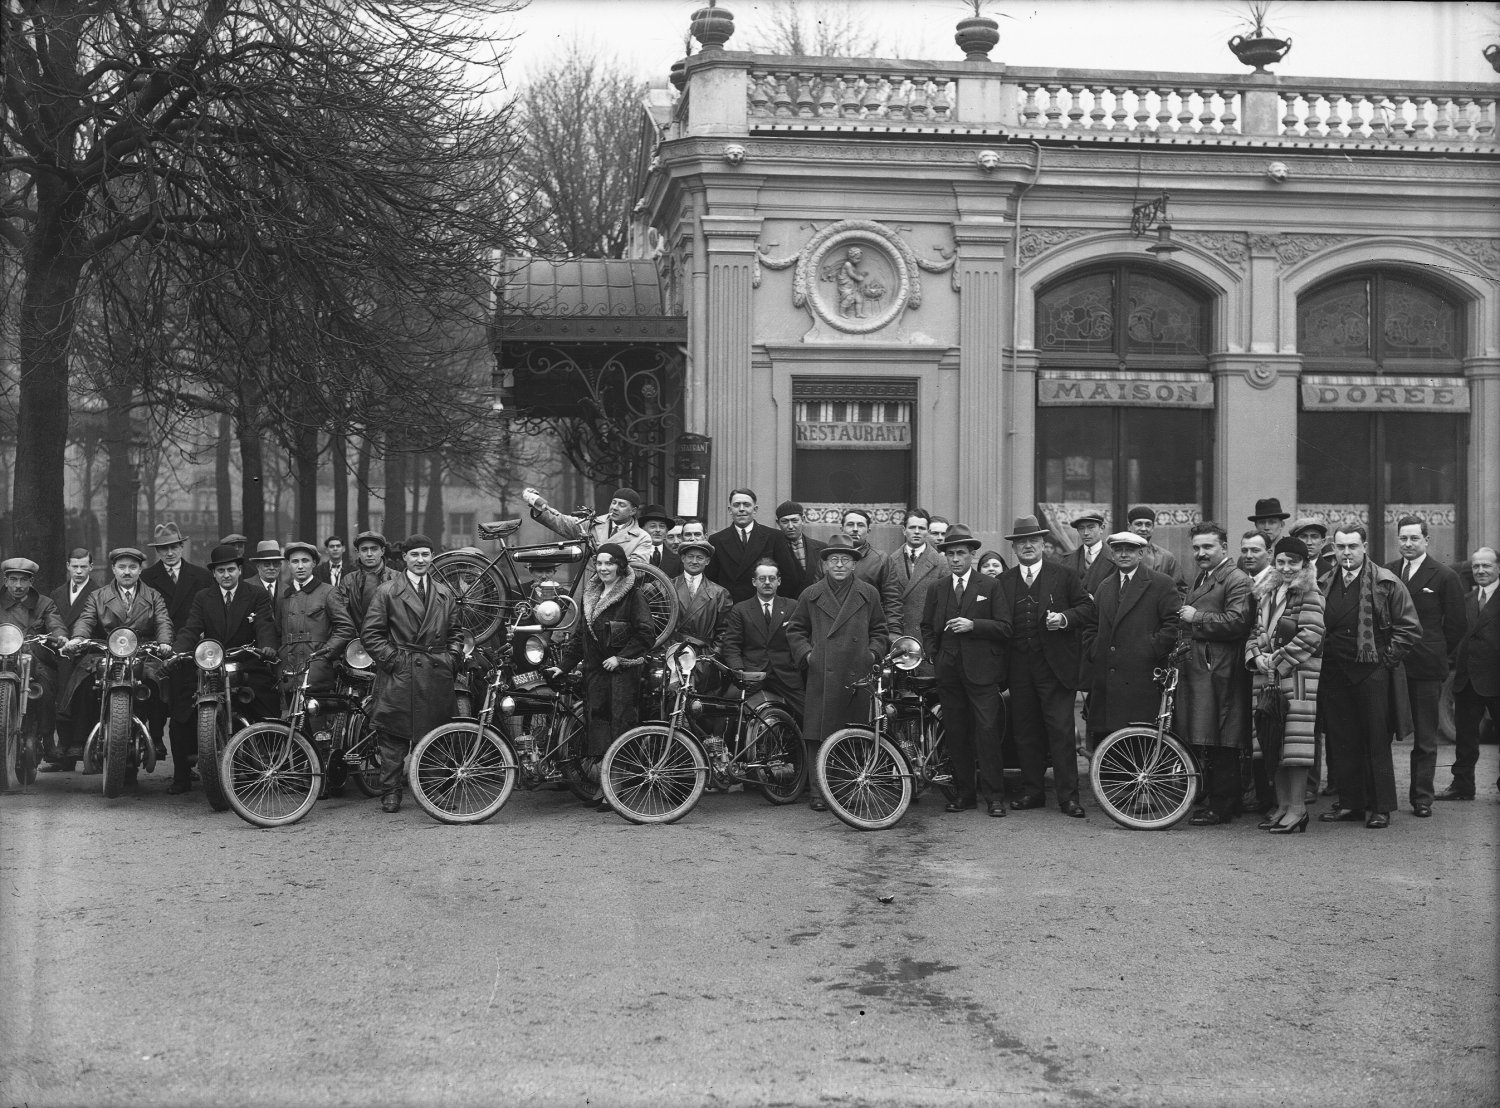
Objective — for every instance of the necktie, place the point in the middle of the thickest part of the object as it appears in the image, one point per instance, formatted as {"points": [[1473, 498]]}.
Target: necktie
{"points": [[1349, 580], [911, 560], [744, 536], [1088, 557], [656, 556], [693, 586], [766, 607], [1406, 572], [1484, 597], [129, 598], [228, 597], [333, 576], [1125, 581], [173, 572], [1030, 574], [958, 588], [422, 590]]}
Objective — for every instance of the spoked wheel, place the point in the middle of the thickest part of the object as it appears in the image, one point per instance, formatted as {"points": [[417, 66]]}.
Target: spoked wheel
{"points": [[271, 775], [653, 774], [661, 598], [580, 773], [782, 757], [461, 773], [865, 781], [1143, 780], [10, 730], [938, 766], [212, 737], [28, 757], [479, 590], [118, 737], [360, 746]]}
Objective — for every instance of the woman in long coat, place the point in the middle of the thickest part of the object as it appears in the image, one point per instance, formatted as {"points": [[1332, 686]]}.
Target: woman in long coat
{"points": [[1287, 648], [615, 633], [836, 633]]}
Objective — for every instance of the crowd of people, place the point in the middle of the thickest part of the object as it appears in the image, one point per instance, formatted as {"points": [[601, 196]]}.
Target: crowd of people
{"points": [[1298, 654]]}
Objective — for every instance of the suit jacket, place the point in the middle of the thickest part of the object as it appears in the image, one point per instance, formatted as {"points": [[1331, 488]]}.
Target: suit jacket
{"points": [[1094, 575], [1134, 634], [324, 570], [703, 616], [178, 596], [70, 611], [669, 563], [249, 621], [1059, 590], [814, 569], [1479, 649], [749, 643], [1438, 596], [908, 587], [977, 656], [733, 563]]}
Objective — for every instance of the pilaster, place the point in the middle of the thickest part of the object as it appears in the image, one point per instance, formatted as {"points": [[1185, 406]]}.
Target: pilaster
{"points": [[984, 409], [1484, 449], [730, 242], [1255, 433]]}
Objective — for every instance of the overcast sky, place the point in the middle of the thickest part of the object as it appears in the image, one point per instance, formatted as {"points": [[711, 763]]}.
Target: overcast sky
{"points": [[1414, 40]]}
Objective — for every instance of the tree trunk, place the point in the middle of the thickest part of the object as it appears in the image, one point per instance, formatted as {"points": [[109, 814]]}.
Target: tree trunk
{"points": [[53, 269], [395, 491], [304, 459], [338, 456], [122, 479], [432, 518], [223, 489], [362, 486], [252, 486]]}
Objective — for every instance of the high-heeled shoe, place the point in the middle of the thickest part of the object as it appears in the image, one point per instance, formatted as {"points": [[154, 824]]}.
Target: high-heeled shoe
{"points": [[1269, 822], [1297, 828]]}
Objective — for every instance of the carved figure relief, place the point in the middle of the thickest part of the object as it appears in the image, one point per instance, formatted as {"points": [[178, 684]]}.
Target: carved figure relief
{"points": [[855, 277]]}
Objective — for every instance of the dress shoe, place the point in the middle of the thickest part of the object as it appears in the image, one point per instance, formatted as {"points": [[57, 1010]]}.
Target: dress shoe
{"points": [[995, 808], [960, 805], [56, 767], [1297, 828], [390, 802], [601, 805], [1207, 817], [818, 804], [1421, 810], [1269, 822], [1074, 809], [177, 788], [1026, 802], [1342, 815], [1378, 820], [1453, 792]]}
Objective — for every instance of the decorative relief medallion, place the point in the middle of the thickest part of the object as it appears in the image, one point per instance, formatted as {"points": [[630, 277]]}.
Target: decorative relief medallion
{"points": [[1261, 375], [855, 277]]}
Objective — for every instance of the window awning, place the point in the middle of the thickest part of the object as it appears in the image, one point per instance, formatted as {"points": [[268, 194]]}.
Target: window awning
{"points": [[608, 300]]}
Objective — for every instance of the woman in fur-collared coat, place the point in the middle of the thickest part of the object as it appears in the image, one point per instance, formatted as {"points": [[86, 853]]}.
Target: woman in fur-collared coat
{"points": [[613, 636], [1287, 647]]}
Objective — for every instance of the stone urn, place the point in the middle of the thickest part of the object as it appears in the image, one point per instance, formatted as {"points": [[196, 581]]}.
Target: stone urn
{"points": [[976, 36], [1492, 55], [1260, 51], [712, 26], [678, 74]]}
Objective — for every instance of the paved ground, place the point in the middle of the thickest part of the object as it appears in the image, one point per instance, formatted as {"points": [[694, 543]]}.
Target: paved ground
{"points": [[156, 953]]}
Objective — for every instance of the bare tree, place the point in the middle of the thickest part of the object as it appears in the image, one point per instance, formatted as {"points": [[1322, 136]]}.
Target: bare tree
{"points": [[572, 177], [822, 28], [282, 191]]}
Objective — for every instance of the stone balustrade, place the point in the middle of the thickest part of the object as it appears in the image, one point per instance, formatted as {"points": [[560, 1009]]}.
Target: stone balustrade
{"points": [[888, 95]]}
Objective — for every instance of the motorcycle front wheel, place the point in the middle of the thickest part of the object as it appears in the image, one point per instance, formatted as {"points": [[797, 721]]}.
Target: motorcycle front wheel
{"points": [[119, 736]]}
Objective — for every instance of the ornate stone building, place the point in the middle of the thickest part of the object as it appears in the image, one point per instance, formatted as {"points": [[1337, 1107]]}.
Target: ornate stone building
{"points": [[929, 283]]}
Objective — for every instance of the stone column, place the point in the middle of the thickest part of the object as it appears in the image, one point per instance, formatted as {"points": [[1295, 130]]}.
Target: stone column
{"points": [[1484, 447], [983, 334], [725, 374]]}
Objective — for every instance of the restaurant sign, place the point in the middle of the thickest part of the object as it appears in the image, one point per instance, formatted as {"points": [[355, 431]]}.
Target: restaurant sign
{"points": [[1058, 388], [818, 435], [1385, 394]]}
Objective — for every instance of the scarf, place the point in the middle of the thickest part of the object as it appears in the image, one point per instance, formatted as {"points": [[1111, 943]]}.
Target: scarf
{"points": [[597, 599], [1364, 636]]}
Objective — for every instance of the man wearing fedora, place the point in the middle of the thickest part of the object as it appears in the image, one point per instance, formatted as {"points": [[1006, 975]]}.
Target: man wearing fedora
{"points": [[268, 563], [965, 639], [1089, 560], [178, 581], [1046, 610], [836, 632], [1269, 519], [738, 547], [233, 613], [658, 524], [617, 525]]}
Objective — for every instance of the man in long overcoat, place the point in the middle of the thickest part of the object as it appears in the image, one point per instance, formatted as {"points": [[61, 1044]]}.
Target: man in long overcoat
{"points": [[909, 572], [836, 633], [178, 581], [1213, 690], [1137, 613], [304, 619], [411, 634]]}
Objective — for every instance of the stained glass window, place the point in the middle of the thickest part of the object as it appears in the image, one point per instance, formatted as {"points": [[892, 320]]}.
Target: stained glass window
{"points": [[1369, 320], [1122, 311]]}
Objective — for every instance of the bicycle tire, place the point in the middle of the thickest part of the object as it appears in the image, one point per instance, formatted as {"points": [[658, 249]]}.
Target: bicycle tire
{"points": [[661, 599], [118, 736], [1142, 782], [271, 774], [461, 773], [937, 767], [211, 727], [29, 753], [479, 589], [358, 740], [582, 780], [653, 774], [865, 781], [10, 730], [780, 748]]}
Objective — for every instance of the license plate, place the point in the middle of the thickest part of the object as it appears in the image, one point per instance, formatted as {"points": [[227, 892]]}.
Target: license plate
{"points": [[529, 680]]}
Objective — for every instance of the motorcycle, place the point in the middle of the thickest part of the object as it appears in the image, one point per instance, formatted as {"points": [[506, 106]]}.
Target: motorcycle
{"points": [[17, 689], [225, 703], [346, 742], [120, 745]]}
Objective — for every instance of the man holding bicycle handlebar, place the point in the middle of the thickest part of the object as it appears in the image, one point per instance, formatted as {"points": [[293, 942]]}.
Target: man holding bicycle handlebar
{"points": [[617, 525]]}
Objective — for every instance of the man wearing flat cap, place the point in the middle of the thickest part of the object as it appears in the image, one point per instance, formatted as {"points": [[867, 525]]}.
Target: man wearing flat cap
{"points": [[1136, 629], [702, 606], [1089, 559], [351, 600], [790, 517], [27, 610], [1314, 535], [304, 619], [617, 525], [234, 613], [1142, 521], [179, 581], [745, 542]]}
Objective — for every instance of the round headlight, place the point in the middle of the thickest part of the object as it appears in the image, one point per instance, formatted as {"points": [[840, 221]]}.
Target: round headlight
{"points": [[535, 649], [209, 655], [357, 657], [469, 645], [683, 659], [122, 643], [548, 613], [906, 653], [311, 707], [11, 638], [508, 705]]}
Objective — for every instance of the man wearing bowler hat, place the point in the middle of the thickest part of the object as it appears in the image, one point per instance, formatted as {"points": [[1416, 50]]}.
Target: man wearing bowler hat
{"points": [[1045, 609], [965, 639], [657, 523], [617, 525], [1089, 560], [178, 581], [234, 613], [1269, 519]]}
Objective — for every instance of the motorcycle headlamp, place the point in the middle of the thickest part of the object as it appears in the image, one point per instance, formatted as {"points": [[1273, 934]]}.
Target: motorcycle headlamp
{"points": [[122, 643], [906, 653], [535, 649], [356, 656], [209, 654], [682, 660], [11, 638]]}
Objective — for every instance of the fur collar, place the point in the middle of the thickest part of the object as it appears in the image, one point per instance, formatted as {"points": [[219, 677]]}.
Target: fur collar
{"points": [[597, 599], [1268, 581]]}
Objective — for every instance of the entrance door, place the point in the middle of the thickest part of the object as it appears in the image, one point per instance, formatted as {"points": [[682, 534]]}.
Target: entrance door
{"points": [[1110, 459]]}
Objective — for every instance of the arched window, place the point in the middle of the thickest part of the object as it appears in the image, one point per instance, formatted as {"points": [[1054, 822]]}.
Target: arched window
{"points": [[1381, 433], [1123, 313]]}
